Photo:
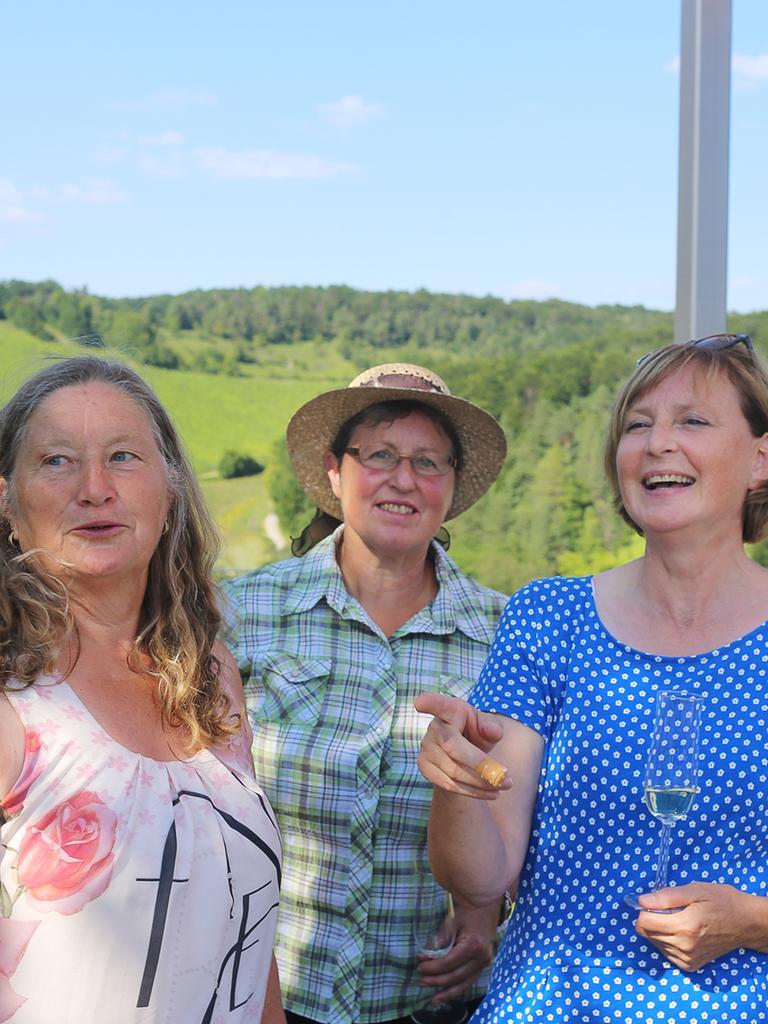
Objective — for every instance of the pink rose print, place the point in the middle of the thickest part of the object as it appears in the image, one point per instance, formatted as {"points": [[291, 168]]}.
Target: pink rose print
{"points": [[30, 770], [14, 936], [65, 859]]}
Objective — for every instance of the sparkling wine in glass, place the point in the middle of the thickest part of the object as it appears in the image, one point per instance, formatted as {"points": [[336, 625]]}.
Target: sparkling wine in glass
{"points": [[434, 933], [671, 774]]}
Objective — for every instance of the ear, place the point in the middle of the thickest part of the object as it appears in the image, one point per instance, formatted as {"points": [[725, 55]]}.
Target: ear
{"points": [[760, 464], [332, 468]]}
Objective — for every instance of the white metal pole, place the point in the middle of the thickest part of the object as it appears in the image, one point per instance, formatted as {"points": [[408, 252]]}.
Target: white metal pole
{"points": [[702, 200]]}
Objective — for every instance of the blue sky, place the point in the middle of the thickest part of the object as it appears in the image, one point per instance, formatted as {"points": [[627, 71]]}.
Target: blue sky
{"points": [[508, 147]]}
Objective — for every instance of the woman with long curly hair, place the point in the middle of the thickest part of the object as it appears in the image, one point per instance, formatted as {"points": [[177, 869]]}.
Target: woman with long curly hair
{"points": [[140, 862]]}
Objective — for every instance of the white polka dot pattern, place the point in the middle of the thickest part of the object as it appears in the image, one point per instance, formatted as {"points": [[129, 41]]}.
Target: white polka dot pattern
{"points": [[571, 954]]}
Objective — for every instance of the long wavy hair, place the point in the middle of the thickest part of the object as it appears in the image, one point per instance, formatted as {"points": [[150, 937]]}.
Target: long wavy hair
{"points": [[179, 619]]}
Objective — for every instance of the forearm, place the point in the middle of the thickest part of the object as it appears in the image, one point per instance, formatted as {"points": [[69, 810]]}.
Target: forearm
{"points": [[755, 918], [273, 1004], [468, 853]]}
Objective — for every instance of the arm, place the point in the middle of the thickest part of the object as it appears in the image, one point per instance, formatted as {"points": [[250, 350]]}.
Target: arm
{"points": [[12, 739], [239, 745], [273, 1012], [716, 919], [478, 836]]}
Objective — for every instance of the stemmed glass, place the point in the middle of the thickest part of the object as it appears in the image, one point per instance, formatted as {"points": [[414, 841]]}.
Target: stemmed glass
{"points": [[434, 933], [671, 773]]}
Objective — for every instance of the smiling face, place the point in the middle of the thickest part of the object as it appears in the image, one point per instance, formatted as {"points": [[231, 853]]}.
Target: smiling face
{"points": [[687, 456], [396, 512], [89, 484]]}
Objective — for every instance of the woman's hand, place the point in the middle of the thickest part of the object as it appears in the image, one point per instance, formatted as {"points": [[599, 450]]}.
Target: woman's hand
{"points": [[716, 919], [453, 973], [456, 743]]}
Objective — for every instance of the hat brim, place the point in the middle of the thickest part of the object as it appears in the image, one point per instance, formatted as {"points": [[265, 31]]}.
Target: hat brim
{"points": [[314, 427]]}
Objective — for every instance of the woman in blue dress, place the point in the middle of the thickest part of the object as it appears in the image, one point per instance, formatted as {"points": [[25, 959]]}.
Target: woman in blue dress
{"points": [[571, 682]]}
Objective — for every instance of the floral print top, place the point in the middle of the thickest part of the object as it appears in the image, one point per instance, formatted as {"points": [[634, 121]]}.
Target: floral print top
{"points": [[131, 890]]}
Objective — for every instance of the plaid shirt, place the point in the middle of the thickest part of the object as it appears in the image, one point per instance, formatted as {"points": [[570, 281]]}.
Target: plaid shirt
{"points": [[330, 698]]}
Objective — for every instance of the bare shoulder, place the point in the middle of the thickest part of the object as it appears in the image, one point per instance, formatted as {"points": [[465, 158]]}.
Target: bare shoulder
{"points": [[229, 674], [11, 745], [618, 582]]}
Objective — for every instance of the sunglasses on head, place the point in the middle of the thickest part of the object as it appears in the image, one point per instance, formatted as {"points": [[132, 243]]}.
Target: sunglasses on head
{"points": [[718, 342]]}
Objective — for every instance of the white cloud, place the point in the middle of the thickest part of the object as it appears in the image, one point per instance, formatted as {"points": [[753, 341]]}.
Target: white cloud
{"points": [[170, 99], [125, 145], [751, 67], [163, 139], [23, 205], [268, 165], [746, 70], [13, 208], [95, 191], [349, 110], [533, 289]]}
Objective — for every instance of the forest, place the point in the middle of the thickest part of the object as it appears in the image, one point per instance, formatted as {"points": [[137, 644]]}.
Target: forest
{"points": [[547, 370]]}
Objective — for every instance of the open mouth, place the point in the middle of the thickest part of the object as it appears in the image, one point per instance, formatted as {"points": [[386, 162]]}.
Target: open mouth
{"points": [[661, 480], [392, 506]]}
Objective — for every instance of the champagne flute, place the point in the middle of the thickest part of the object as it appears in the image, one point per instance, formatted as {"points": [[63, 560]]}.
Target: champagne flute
{"points": [[434, 933], [669, 787]]}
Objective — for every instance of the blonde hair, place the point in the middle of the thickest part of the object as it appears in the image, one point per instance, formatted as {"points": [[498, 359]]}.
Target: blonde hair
{"points": [[179, 619], [747, 375]]}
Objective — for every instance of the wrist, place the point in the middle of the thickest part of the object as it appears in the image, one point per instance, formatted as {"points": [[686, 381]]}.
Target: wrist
{"points": [[755, 923]]}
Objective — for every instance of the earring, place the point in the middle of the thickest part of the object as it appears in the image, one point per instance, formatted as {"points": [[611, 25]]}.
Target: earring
{"points": [[166, 527], [13, 540]]}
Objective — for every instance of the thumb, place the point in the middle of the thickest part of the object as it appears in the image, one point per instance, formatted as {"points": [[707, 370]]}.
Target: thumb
{"points": [[667, 899]]}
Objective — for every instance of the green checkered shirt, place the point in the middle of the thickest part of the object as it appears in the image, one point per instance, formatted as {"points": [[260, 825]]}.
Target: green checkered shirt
{"points": [[331, 698]]}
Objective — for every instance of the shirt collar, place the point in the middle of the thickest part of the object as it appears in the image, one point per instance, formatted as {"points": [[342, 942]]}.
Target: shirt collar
{"points": [[459, 603]]}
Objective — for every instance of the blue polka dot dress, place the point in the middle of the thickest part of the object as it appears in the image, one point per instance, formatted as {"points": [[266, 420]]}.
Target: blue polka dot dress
{"points": [[571, 953]]}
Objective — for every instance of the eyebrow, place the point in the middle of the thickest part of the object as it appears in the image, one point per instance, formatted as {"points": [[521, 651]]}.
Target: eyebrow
{"points": [[679, 407], [67, 442]]}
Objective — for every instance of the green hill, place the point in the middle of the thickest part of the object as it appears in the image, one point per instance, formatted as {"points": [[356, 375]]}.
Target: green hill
{"points": [[232, 365]]}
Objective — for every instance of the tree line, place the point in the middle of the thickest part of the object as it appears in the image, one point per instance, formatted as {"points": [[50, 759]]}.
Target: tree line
{"points": [[547, 370]]}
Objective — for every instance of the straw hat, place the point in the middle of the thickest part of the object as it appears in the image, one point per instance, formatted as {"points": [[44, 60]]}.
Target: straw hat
{"points": [[313, 428]]}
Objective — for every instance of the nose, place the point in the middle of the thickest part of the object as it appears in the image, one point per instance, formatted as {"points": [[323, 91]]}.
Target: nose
{"points": [[403, 475], [96, 485], [660, 438]]}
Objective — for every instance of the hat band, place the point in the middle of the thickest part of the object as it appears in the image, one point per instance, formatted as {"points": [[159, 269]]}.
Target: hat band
{"points": [[403, 380]]}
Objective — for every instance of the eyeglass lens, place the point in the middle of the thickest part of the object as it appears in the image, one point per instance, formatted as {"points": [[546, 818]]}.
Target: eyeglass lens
{"points": [[387, 459]]}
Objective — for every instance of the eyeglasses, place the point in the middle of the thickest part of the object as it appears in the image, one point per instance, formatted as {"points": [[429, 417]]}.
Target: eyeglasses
{"points": [[386, 460], [719, 342]]}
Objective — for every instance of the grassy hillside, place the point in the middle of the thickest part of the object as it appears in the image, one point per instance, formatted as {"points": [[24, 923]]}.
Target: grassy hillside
{"points": [[213, 414], [232, 365]]}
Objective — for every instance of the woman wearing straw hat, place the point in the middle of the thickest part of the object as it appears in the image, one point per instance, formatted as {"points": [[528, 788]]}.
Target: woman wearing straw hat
{"points": [[334, 647]]}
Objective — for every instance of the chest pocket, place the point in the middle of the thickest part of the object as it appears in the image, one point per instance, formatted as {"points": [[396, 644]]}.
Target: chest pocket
{"points": [[455, 686], [286, 689]]}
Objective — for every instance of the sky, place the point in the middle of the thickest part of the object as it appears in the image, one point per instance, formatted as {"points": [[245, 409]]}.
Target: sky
{"points": [[507, 147]]}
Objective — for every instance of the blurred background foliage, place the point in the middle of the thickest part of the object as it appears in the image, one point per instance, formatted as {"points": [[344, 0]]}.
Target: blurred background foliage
{"points": [[232, 365]]}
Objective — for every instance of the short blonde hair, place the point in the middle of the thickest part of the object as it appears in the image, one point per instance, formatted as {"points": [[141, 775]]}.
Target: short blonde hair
{"points": [[748, 376]]}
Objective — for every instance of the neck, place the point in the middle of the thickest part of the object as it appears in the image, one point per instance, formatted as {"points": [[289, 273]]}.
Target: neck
{"points": [[694, 573], [688, 601], [106, 614], [391, 588]]}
